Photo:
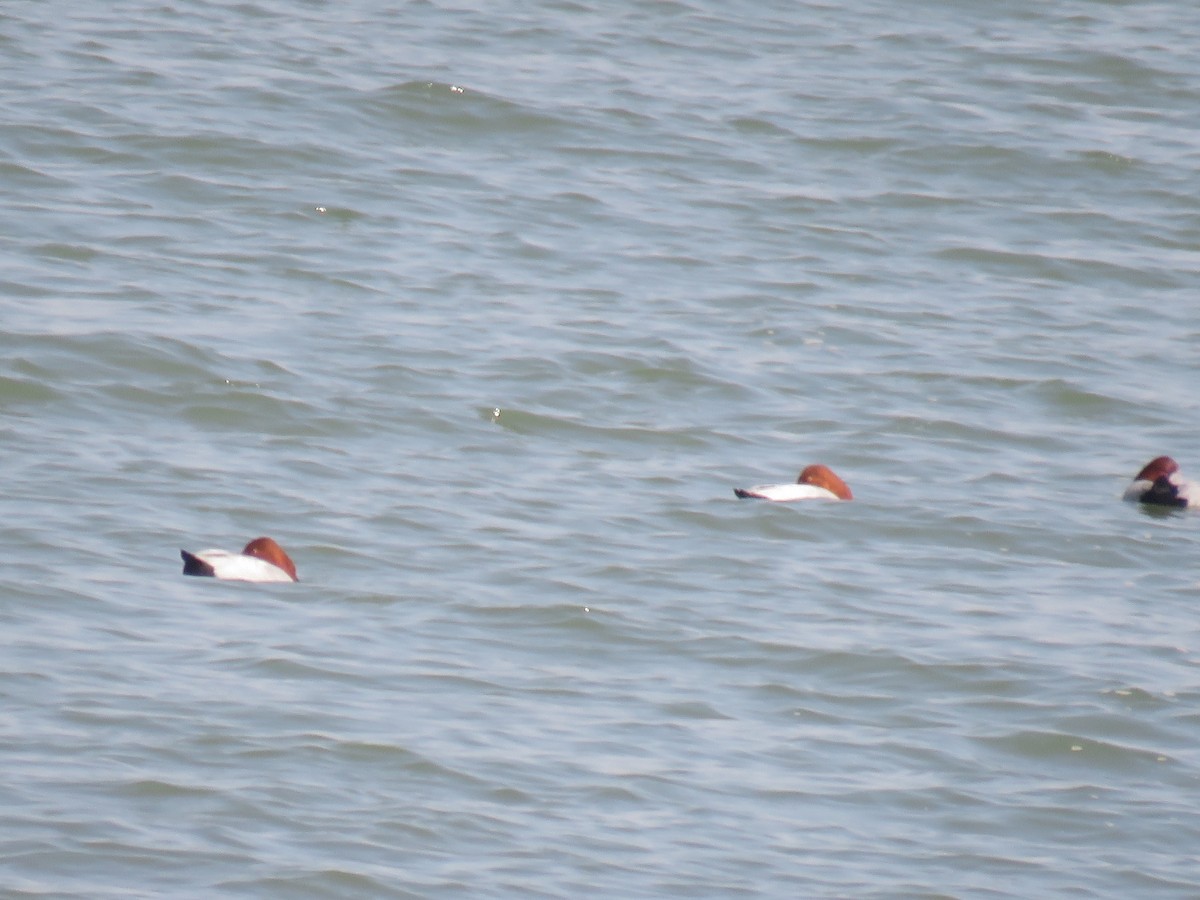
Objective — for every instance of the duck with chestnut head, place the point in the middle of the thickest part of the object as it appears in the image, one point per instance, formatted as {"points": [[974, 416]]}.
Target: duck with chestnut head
{"points": [[816, 482], [260, 560], [1159, 483]]}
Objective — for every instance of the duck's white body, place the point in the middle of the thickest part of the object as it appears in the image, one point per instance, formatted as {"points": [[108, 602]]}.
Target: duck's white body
{"points": [[786, 493]]}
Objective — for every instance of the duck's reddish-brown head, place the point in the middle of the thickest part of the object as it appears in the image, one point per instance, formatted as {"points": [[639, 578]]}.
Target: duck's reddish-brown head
{"points": [[266, 549], [822, 476], [1157, 468]]}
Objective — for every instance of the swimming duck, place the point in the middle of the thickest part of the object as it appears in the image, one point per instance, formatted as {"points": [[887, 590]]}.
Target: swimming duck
{"points": [[816, 482], [260, 560], [1159, 483]]}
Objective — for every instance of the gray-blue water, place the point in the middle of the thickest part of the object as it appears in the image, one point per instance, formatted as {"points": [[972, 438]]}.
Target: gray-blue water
{"points": [[482, 312]]}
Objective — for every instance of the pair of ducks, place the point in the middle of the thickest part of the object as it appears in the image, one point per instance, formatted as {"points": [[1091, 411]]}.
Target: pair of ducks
{"points": [[1158, 483]]}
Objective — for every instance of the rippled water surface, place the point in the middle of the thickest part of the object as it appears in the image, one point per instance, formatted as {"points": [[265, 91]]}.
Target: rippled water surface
{"points": [[482, 312]]}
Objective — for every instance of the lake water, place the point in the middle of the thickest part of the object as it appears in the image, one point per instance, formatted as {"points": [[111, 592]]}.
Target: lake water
{"points": [[483, 311]]}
